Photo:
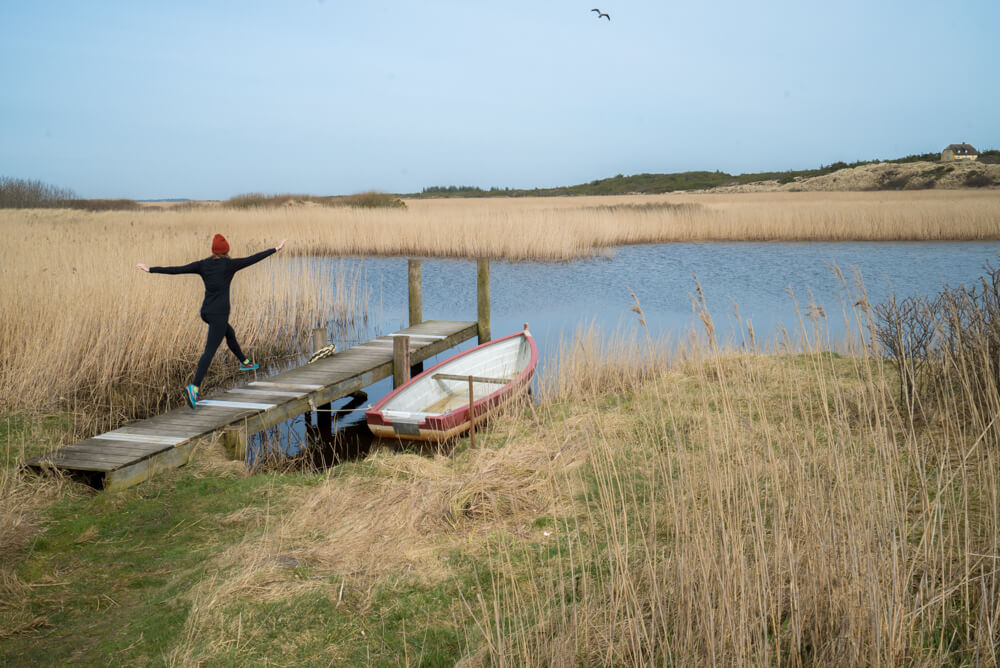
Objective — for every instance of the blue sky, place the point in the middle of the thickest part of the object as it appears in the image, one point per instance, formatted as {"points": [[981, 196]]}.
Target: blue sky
{"points": [[209, 99]]}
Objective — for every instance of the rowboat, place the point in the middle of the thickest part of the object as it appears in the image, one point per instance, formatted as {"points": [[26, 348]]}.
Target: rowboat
{"points": [[435, 406]]}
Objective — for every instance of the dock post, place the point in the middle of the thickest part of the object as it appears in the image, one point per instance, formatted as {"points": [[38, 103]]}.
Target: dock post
{"points": [[234, 441], [483, 298], [324, 420], [416, 292], [415, 280], [319, 338], [400, 360]]}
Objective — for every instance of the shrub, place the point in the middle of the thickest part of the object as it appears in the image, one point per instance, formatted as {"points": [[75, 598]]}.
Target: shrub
{"points": [[101, 204], [905, 330], [372, 200], [26, 194], [366, 200], [250, 200], [947, 348], [892, 180], [991, 157], [978, 180]]}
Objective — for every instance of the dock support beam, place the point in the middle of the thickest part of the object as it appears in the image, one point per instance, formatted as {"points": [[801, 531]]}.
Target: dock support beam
{"points": [[400, 360], [234, 441], [483, 298], [415, 280], [324, 421], [416, 292]]}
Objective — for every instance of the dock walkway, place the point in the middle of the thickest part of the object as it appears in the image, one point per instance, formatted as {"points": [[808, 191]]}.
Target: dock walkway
{"points": [[137, 451]]}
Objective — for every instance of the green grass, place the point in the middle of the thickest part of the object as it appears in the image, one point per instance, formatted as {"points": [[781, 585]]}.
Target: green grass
{"points": [[110, 572], [111, 578]]}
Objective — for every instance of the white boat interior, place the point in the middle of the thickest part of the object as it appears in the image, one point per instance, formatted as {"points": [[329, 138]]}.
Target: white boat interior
{"points": [[448, 387]]}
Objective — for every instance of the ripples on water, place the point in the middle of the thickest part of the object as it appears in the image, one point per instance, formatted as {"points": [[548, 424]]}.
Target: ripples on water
{"points": [[558, 298]]}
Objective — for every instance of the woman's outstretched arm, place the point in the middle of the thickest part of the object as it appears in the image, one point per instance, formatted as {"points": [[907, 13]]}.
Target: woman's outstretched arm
{"points": [[243, 262], [184, 269]]}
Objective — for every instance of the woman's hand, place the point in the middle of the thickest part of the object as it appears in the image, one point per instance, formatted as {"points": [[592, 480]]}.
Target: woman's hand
{"points": [[143, 267], [280, 246]]}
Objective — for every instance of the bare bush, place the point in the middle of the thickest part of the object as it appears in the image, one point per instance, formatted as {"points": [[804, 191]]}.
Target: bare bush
{"points": [[946, 349], [905, 329]]}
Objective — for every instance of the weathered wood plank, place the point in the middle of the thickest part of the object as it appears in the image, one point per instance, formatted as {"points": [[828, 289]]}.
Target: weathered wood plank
{"points": [[70, 465], [82, 460], [126, 461], [134, 449]]}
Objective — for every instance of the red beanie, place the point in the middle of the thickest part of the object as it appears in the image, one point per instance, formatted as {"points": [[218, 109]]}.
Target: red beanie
{"points": [[219, 245]]}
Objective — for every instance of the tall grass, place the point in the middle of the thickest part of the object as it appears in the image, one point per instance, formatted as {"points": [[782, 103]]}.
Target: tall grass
{"points": [[82, 330], [695, 506], [758, 508]]}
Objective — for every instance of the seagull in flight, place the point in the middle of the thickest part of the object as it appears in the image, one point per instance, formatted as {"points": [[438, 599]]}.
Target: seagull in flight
{"points": [[600, 14]]}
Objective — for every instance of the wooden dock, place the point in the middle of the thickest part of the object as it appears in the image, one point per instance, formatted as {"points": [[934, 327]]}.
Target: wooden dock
{"points": [[137, 451]]}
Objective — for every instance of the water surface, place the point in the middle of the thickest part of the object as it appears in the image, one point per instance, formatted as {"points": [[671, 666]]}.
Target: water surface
{"points": [[770, 282]]}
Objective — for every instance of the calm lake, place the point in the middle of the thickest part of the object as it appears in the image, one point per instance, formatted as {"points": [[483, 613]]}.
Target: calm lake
{"points": [[558, 298]]}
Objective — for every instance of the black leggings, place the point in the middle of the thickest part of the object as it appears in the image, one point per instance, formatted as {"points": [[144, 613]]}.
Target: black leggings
{"points": [[218, 327]]}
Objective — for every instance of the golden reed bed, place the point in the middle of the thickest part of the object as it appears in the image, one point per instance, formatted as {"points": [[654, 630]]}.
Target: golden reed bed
{"points": [[562, 228], [80, 327]]}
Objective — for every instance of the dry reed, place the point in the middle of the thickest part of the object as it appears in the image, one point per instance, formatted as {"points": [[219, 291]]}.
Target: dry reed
{"points": [[748, 508], [82, 330], [763, 510]]}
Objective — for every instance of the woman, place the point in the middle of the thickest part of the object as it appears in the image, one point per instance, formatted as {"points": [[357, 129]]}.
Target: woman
{"points": [[217, 273]]}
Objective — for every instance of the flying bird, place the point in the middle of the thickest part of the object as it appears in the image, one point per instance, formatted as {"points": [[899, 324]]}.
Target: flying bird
{"points": [[601, 14]]}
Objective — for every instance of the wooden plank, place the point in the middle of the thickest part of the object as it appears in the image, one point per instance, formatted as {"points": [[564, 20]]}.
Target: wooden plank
{"points": [[152, 426], [74, 465], [135, 450], [83, 460], [284, 386], [133, 437], [241, 405], [192, 418], [87, 452]]}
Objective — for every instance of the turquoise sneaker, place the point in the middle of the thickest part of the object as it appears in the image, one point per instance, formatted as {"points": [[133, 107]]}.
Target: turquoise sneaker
{"points": [[191, 394], [249, 366]]}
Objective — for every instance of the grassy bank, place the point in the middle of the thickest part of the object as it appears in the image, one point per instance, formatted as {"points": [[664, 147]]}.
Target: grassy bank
{"points": [[753, 508]]}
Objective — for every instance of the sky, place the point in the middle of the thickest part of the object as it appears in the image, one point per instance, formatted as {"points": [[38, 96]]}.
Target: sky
{"points": [[208, 99]]}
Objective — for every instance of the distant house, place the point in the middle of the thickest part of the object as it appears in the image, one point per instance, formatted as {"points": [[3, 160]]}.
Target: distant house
{"points": [[961, 151]]}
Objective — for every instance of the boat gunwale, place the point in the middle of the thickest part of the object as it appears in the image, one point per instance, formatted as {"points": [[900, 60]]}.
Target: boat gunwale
{"points": [[450, 420]]}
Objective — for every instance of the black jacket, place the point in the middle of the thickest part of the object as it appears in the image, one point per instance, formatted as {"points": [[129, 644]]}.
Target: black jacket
{"points": [[217, 273]]}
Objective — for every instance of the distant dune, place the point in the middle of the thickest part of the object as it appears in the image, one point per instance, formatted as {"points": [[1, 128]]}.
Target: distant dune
{"points": [[884, 176]]}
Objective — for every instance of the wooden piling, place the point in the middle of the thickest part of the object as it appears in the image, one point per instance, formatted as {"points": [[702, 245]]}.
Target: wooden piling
{"points": [[400, 360], [319, 338], [415, 275], [234, 441], [415, 280], [483, 298], [324, 415]]}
